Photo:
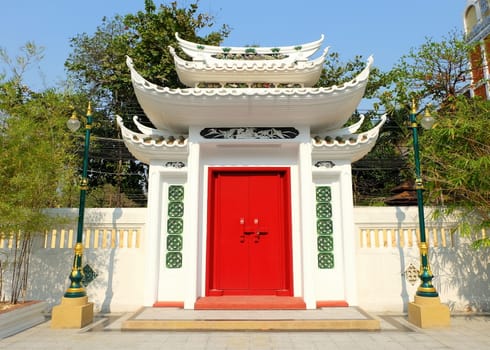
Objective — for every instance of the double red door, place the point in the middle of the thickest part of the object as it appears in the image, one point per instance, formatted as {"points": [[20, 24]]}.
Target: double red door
{"points": [[249, 241]]}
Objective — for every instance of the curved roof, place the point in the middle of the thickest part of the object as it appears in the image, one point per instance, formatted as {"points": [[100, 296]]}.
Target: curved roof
{"points": [[348, 146], [151, 146], [304, 73], [198, 51], [324, 108]]}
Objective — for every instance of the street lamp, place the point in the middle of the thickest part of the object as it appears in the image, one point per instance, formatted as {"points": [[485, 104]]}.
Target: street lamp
{"points": [[426, 288], [75, 311], [76, 288], [426, 310]]}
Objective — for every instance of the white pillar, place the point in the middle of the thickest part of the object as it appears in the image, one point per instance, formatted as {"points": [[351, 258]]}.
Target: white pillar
{"points": [[308, 228], [192, 234], [348, 236], [152, 236]]}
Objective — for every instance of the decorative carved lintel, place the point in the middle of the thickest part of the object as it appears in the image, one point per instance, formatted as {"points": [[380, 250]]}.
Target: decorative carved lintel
{"points": [[257, 133]]}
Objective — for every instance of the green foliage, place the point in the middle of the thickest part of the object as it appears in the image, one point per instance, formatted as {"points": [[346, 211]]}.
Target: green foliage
{"points": [[455, 154], [97, 68], [98, 62], [456, 158], [432, 73], [336, 72], [35, 167], [376, 174], [30, 53]]}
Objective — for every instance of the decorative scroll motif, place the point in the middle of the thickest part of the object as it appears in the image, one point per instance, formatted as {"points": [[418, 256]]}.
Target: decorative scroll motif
{"points": [[325, 164], [266, 133], [88, 275], [412, 274], [175, 226], [175, 165], [324, 227]]}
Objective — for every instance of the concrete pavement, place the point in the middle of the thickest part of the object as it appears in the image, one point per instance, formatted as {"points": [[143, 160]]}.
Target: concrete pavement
{"points": [[466, 331]]}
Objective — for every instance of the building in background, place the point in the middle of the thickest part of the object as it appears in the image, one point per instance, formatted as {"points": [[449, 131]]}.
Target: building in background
{"points": [[477, 30]]}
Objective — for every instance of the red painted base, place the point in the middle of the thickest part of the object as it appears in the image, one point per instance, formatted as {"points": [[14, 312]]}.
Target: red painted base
{"points": [[331, 303], [174, 304], [265, 302]]}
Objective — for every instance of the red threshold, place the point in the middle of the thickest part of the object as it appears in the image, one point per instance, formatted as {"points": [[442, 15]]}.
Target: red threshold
{"points": [[331, 303], [172, 304], [266, 302]]}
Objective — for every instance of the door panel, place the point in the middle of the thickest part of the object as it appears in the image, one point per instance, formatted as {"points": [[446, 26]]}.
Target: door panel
{"points": [[249, 234], [232, 251]]}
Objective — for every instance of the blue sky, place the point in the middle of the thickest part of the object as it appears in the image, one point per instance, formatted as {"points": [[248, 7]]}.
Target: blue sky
{"points": [[385, 28]]}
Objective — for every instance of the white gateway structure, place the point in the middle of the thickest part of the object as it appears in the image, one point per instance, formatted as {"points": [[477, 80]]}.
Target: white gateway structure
{"points": [[250, 188]]}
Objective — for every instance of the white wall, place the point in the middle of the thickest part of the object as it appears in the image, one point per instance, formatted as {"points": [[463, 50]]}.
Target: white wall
{"points": [[385, 239]]}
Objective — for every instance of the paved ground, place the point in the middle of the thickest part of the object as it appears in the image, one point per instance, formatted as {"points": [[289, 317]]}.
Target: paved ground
{"points": [[465, 332]]}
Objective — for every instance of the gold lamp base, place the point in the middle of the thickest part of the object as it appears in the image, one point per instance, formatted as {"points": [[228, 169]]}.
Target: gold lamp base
{"points": [[72, 313], [428, 312]]}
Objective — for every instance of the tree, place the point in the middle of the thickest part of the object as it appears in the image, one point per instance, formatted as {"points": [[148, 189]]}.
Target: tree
{"points": [[97, 67], [433, 73], [35, 167], [376, 174], [454, 154]]}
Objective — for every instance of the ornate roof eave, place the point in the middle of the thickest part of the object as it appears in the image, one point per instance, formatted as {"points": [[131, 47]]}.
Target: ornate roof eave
{"points": [[150, 131], [146, 147], [351, 146], [198, 51], [304, 73], [324, 108], [351, 129]]}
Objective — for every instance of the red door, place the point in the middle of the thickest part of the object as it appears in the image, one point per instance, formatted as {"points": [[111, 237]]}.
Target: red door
{"points": [[249, 242]]}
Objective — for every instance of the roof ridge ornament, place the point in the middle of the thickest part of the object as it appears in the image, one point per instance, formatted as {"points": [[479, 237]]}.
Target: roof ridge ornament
{"points": [[198, 51]]}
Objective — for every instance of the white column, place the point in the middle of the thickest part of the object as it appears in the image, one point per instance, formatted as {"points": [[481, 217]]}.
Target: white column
{"points": [[308, 231], [348, 236], [152, 235], [192, 234]]}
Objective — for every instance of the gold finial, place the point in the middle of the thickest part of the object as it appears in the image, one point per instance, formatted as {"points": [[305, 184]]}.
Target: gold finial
{"points": [[89, 109], [414, 106], [427, 111]]}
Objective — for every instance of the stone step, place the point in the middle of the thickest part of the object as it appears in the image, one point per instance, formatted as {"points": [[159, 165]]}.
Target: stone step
{"points": [[325, 319]]}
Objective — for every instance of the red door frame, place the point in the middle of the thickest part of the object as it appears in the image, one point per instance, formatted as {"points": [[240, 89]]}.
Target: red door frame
{"points": [[286, 183]]}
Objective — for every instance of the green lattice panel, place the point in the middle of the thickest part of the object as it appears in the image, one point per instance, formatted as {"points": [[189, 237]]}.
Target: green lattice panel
{"points": [[325, 261], [324, 227], [323, 210], [175, 226], [176, 193], [175, 209], [325, 243], [174, 260], [174, 243], [323, 194]]}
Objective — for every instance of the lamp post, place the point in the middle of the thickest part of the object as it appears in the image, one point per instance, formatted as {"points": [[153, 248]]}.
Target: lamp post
{"points": [[75, 311], [76, 289], [426, 288], [426, 310]]}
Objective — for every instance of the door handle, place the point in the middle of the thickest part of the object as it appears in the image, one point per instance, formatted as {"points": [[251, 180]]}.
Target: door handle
{"points": [[245, 233], [258, 234]]}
